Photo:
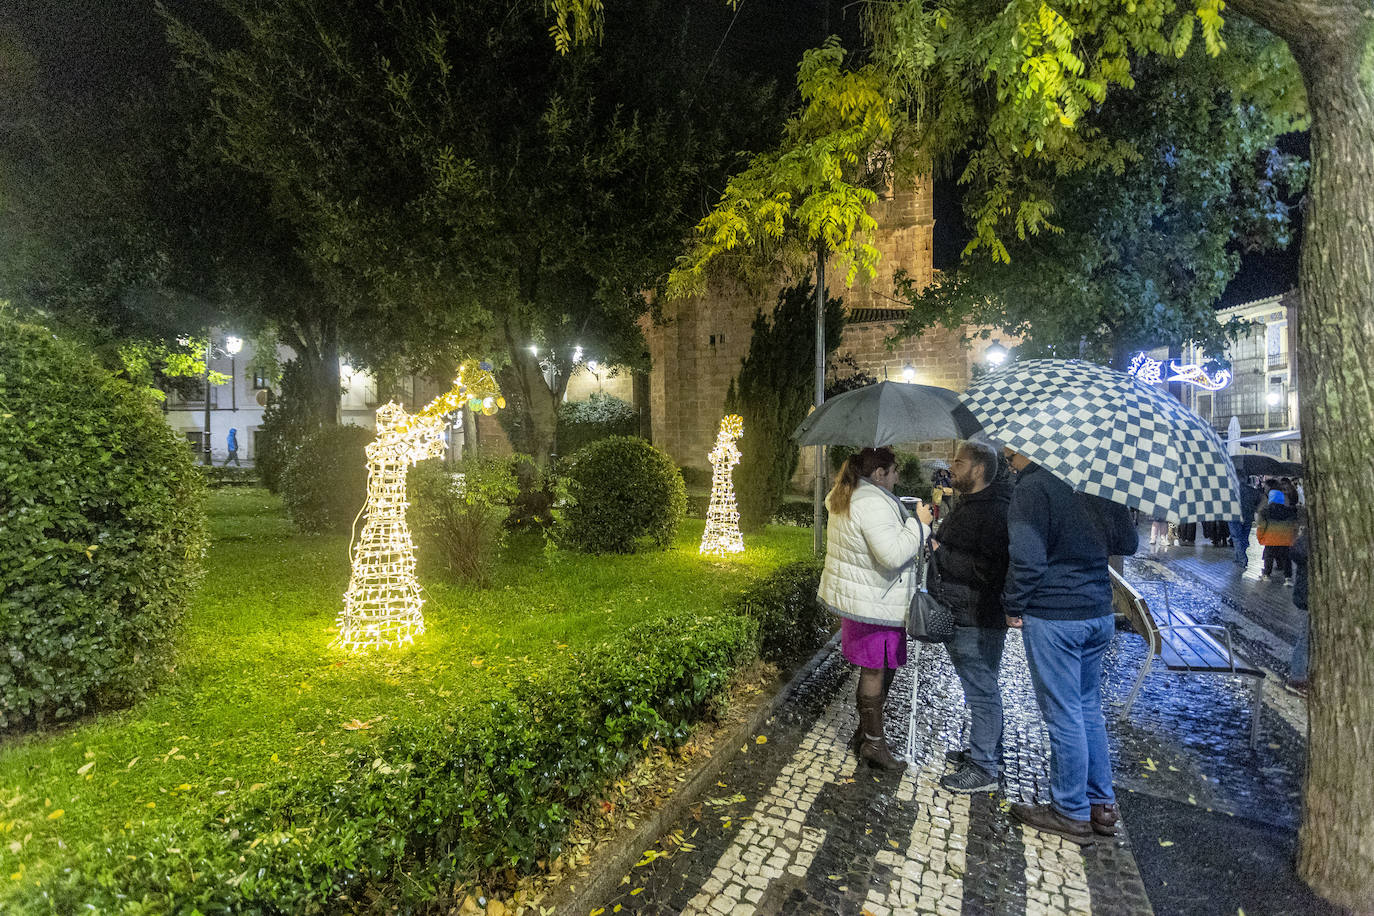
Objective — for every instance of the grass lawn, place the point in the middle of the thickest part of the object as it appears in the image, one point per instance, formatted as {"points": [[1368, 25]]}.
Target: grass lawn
{"points": [[259, 698]]}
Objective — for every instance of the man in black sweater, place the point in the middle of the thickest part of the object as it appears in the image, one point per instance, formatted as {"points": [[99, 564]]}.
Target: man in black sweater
{"points": [[970, 558]]}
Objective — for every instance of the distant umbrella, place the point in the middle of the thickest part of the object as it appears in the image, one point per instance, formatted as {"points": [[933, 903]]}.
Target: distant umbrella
{"points": [[1107, 434], [1250, 464], [887, 413]]}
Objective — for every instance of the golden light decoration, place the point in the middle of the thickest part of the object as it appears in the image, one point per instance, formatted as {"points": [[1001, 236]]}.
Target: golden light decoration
{"points": [[383, 601], [722, 535]]}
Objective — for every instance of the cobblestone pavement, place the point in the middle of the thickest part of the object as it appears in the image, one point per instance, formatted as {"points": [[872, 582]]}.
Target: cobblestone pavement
{"points": [[794, 826]]}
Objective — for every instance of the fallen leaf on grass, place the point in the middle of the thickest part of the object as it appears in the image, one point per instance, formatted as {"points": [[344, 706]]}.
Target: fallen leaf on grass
{"points": [[56, 814], [761, 739], [355, 725], [84, 768]]}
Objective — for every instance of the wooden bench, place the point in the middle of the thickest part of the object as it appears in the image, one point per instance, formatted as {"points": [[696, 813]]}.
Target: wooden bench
{"points": [[1183, 645]]}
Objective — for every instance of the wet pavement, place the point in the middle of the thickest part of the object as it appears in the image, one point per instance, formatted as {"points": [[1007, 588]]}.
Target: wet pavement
{"points": [[794, 826]]}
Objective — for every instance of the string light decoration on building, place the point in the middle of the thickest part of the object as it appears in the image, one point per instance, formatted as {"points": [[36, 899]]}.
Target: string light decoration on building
{"points": [[383, 601], [1150, 372], [722, 535]]}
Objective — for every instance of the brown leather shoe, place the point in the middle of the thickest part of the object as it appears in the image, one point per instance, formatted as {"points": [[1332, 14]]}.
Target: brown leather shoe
{"points": [[1104, 818], [1047, 820]]}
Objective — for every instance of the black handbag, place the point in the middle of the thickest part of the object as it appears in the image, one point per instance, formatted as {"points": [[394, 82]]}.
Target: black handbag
{"points": [[927, 619]]}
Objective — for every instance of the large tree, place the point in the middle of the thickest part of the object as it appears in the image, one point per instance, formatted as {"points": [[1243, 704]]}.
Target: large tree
{"points": [[489, 196], [1025, 78]]}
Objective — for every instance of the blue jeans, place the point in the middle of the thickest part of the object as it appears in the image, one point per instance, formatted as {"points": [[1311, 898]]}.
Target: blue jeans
{"points": [[1065, 660], [1240, 537], [977, 655]]}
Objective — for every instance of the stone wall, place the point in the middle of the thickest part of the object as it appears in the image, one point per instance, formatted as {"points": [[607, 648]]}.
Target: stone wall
{"points": [[698, 346]]}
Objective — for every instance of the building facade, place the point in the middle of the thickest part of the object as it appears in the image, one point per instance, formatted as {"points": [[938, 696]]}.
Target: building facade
{"points": [[1263, 393]]}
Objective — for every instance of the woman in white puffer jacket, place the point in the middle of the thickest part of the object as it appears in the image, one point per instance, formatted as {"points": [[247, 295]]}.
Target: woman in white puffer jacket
{"points": [[869, 580]]}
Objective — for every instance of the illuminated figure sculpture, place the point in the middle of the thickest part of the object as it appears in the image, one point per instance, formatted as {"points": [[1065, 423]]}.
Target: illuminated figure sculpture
{"points": [[382, 604], [722, 534]]}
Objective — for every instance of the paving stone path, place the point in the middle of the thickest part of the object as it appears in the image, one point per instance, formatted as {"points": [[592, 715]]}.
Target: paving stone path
{"points": [[796, 827]]}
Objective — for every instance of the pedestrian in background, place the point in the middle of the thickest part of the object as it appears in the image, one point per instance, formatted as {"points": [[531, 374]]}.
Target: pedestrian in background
{"points": [[1250, 497], [869, 580], [233, 445], [1059, 593], [1276, 528], [1297, 667], [970, 556]]}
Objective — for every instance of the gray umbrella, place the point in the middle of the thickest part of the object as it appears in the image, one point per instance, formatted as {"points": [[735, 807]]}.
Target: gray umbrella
{"points": [[886, 413]]}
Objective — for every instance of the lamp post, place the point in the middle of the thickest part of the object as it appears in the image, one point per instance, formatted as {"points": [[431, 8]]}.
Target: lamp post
{"points": [[995, 354], [232, 344]]}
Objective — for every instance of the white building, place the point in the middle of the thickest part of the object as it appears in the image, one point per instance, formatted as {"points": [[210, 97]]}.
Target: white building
{"points": [[239, 404]]}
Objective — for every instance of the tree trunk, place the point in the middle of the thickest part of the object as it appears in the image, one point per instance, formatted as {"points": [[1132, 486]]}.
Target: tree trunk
{"points": [[1333, 43], [317, 350], [537, 405]]}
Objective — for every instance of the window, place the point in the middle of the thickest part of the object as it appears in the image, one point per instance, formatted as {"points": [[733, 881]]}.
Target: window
{"points": [[1276, 343], [260, 381]]}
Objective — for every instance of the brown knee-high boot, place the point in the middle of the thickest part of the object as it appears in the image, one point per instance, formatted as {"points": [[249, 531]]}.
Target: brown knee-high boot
{"points": [[874, 750]]}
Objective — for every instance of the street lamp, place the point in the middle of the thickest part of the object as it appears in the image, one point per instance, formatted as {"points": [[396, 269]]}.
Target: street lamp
{"points": [[908, 373], [995, 354], [232, 345], [1273, 399]]}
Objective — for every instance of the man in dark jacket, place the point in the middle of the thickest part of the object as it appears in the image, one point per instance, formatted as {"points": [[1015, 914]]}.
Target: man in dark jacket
{"points": [[1059, 593], [970, 557], [1240, 531]]}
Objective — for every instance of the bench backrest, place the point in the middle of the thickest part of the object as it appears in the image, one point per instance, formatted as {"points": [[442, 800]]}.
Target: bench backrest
{"points": [[1129, 603]]}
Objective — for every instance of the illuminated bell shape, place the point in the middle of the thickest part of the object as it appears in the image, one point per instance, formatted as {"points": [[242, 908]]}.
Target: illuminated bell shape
{"points": [[474, 403], [500, 402], [489, 403], [484, 366]]}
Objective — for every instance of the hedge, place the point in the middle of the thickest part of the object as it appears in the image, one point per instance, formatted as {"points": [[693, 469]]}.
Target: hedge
{"points": [[792, 622], [444, 798], [101, 533]]}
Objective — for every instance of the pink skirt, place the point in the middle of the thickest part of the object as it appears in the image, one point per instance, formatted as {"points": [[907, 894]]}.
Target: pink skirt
{"points": [[872, 645]]}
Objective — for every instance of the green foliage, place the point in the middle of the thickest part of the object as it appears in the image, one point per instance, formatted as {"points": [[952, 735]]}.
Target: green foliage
{"points": [[287, 420], [538, 505], [912, 479], [601, 415], [773, 391], [1018, 88], [458, 512], [101, 533], [473, 760], [324, 483], [622, 491], [1140, 258], [795, 514], [813, 193], [792, 622]]}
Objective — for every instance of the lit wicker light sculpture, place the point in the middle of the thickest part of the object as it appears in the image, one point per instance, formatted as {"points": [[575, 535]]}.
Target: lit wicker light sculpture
{"points": [[383, 601], [722, 535]]}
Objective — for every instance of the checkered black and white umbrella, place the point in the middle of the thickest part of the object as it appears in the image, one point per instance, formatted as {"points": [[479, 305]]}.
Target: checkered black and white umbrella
{"points": [[1106, 433]]}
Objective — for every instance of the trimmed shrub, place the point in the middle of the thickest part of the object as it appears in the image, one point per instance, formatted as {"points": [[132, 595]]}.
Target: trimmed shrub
{"points": [[913, 481], [324, 484], [217, 476], [285, 424], [458, 512], [446, 797], [581, 423], [101, 533], [696, 478], [622, 491], [536, 508], [792, 621], [797, 514]]}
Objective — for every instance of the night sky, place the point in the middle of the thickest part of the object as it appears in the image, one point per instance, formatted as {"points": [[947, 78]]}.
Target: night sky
{"points": [[89, 51]]}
